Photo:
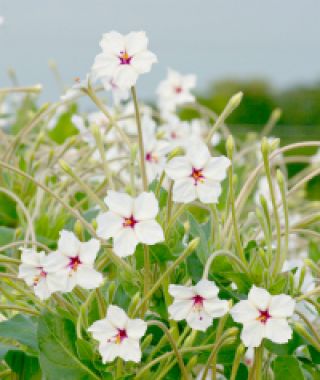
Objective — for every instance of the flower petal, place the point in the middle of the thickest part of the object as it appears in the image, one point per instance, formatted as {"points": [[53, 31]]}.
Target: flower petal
{"points": [[259, 297], [89, 251], [145, 206], [181, 292], [109, 224], [88, 277], [149, 232], [244, 311], [180, 309], [208, 191], [198, 154], [136, 42], [129, 350], [252, 333], [184, 190], [143, 61], [125, 76], [278, 330], [178, 167], [216, 308], [68, 244], [206, 289], [112, 43], [119, 203], [103, 330], [216, 168], [136, 328], [117, 317], [125, 242], [199, 320], [281, 306]]}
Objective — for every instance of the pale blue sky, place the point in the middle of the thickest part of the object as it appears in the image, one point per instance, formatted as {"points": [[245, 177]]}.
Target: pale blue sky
{"points": [[275, 39]]}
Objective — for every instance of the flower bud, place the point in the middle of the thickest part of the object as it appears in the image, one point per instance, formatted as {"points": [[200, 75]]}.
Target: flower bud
{"points": [[134, 303], [230, 146], [146, 342], [192, 362], [111, 292], [64, 166], [265, 147], [235, 100], [78, 229]]}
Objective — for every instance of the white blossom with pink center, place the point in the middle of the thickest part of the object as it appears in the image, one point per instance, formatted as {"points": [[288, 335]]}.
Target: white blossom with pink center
{"points": [[264, 316], [78, 258], [130, 221], [118, 335], [175, 90], [198, 304], [197, 175], [36, 272], [123, 58]]}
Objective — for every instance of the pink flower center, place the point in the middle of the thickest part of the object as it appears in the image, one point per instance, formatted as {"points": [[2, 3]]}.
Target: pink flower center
{"points": [[74, 263], [37, 278], [125, 58], [264, 316], [122, 334], [198, 301], [150, 157], [197, 175], [173, 135], [130, 222], [178, 90]]}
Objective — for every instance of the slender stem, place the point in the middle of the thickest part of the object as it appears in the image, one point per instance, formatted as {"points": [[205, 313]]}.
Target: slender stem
{"points": [[164, 328], [140, 140], [19, 308], [234, 217], [190, 248], [309, 294], [236, 362], [225, 253], [310, 325]]}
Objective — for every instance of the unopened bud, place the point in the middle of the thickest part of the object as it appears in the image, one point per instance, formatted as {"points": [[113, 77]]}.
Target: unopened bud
{"points": [[230, 146]]}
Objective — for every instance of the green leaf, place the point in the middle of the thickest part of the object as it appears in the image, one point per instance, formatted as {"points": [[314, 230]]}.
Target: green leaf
{"points": [[64, 127], [21, 329], [25, 366], [198, 230], [58, 354], [285, 349], [7, 235], [8, 212], [287, 368], [4, 348]]}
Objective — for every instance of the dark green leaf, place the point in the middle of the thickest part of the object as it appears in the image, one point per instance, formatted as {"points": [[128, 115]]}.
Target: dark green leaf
{"points": [[58, 354], [287, 368], [26, 367]]}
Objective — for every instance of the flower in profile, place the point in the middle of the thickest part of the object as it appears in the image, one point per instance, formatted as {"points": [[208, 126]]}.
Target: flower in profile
{"points": [[264, 316], [118, 335], [130, 221], [78, 259], [197, 175], [198, 304], [35, 271], [175, 90], [123, 58]]}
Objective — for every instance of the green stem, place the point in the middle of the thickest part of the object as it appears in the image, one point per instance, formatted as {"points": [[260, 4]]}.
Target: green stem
{"points": [[190, 248]]}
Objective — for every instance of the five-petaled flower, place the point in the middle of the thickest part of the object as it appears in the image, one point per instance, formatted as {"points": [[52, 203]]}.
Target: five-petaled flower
{"points": [[118, 335], [123, 58], [197, 175], [175, 90], [264, 316], [130, 221], [198, 304], [37, 271], [78, 260]]}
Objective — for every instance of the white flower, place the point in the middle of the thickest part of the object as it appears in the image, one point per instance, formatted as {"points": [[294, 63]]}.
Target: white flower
{"points": [[197, 175], [198, 304], [78, 261], [1, 20], [36, 272], [264, 316], [119, 94], [175, 90], [119, 335], [130, 221], [123, 58]]}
